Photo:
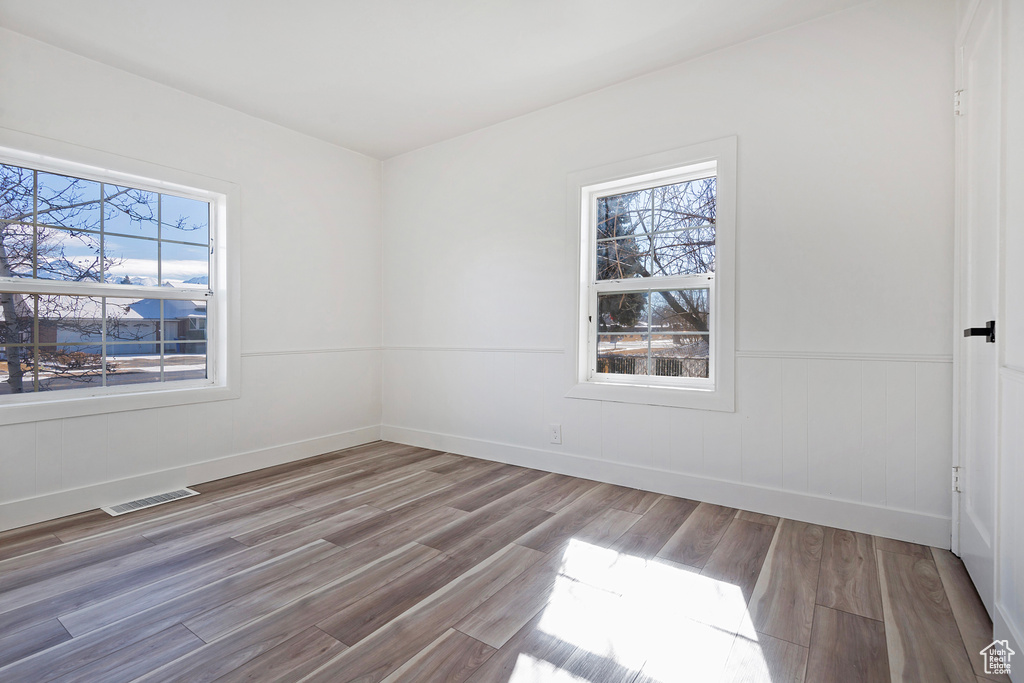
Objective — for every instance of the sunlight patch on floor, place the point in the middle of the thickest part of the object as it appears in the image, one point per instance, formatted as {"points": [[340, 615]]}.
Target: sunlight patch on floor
{"points": [[529, 669], [642, 615]]}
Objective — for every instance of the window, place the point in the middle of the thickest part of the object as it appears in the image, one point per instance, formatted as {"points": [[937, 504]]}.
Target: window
{"points": [[655, 265], [107, 283]]}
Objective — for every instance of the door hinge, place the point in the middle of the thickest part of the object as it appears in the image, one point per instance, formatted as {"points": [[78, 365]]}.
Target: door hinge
{"points": [[956, 479], [958, 103]]}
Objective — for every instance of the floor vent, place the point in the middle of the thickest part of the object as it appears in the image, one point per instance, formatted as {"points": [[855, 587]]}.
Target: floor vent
{"points": [[143, 503]]}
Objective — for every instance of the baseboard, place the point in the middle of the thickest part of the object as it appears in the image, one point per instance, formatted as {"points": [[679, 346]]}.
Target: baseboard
{"points": [[1005, 629], [904, 525], [63, 503], [892, 523], [49, 506]]}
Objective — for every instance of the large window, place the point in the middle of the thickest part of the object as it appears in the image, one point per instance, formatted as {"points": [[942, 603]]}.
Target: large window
{"points": [[105, 285], [655, 320]]}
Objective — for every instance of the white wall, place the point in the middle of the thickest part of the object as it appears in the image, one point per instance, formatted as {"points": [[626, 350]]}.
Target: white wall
{"points": [[844, 290], [310, 320], [1009, 616]]}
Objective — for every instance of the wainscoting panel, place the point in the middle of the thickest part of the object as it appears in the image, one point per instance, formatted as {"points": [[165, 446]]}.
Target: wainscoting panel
{"points": [[872, 431]]}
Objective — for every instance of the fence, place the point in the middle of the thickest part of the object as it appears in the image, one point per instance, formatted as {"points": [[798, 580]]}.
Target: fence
{"points": [[662, 367]]}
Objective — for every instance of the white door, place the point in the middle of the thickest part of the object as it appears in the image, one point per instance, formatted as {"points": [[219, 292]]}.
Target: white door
{"points": [[978, 181]]}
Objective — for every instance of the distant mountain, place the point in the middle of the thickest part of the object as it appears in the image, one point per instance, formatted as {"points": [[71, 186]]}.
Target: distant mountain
{"points": [[51, 271], [137, 281]]}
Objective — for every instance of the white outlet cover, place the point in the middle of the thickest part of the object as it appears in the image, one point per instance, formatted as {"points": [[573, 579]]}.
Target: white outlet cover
{"points": [[556, 433]]}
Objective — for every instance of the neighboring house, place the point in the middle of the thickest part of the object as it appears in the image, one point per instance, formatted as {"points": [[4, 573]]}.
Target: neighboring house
{"points": [[184, 322], [133, 327]]}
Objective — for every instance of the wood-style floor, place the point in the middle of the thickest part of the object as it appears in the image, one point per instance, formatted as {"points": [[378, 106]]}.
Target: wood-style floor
{"points": [[393, 563]]}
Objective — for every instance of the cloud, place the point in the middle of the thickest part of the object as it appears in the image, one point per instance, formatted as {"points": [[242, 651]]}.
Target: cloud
{"points": [[173, 270]]}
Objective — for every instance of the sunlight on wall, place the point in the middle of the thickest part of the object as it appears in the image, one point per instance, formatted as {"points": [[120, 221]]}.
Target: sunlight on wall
{"points": [[653, 616]]}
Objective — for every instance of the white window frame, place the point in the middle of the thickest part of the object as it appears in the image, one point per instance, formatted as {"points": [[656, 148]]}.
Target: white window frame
{"points": [[716, 392], [222, 345]]}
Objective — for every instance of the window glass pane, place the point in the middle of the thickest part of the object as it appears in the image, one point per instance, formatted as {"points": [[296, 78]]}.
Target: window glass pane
{"points": [[125, 366], [185, 220], [131, 261], [135, 323], [66, 255], [66, 202], [17, 312], [17, 243], [626, 217], [127, 211], [623, 215], [183, 364], [623, 258], [622, 312], [682, 310], [16, 370], [69, 366], [687, 252], [677, 355], [186, 266], [16, 190], [621, 354], [683, 205], [70, 320], [185, 321]]}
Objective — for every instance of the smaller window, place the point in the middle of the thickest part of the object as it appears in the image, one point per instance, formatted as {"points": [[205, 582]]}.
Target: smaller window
{"points": [[655, 320], [653, 281]]}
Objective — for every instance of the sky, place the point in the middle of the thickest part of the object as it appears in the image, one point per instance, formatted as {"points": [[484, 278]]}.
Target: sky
{"points": [[130, 214]]}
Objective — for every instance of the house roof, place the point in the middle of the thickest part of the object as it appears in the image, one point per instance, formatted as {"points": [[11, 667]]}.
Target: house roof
{"points": [[88, 308]]}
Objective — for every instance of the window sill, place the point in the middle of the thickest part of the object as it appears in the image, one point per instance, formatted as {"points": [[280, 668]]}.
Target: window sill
{"points": [[674, 397]]}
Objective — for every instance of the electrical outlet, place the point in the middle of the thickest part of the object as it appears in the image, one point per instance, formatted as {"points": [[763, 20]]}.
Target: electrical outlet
{"points": [[555, 431]]}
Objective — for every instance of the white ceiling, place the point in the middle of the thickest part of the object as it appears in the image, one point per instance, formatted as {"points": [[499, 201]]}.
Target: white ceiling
{"points": [[386, 76]]}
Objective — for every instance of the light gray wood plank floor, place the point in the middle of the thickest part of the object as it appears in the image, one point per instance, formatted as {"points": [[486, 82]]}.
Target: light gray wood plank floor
{"points": [[387, 562]]}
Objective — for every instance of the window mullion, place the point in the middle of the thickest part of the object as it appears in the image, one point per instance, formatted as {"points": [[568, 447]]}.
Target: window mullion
{"points": [[160, 249], [161, 337], [103, 339], [35, 344], [103, 249], [712, 336], [650, 324], [687, 228], [35, 224]]}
